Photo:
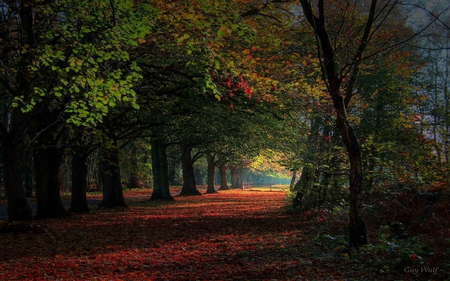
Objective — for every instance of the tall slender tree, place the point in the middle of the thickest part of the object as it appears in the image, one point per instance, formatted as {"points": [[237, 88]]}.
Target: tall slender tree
{"points": [[341, 60]]}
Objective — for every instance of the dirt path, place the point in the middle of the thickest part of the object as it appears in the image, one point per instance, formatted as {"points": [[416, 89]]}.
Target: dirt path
{"points": [[231, 235]]}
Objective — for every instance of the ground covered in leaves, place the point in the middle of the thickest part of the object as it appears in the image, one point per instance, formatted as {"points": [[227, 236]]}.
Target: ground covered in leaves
{"points": [[230, 235]]}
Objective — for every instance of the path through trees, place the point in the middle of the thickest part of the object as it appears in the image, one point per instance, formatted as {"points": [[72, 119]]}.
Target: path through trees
{"points": [[235, 234]]}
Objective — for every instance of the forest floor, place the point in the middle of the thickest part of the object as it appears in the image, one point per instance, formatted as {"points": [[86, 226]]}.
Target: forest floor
{"points": [[229, 235]]}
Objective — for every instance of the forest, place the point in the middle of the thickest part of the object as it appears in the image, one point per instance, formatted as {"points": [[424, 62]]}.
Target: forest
{"points": [[308, 138]]}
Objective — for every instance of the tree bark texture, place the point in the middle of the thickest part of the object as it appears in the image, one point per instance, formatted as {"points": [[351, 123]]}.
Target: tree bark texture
{"points": [[111, 181], [161, 190], [223, 177], [235, 180], [303, 188], [293, 181], [211, 173], [187, 165]]}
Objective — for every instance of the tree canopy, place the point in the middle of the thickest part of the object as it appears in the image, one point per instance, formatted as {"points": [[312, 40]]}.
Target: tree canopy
{"points": [[348, 94]]}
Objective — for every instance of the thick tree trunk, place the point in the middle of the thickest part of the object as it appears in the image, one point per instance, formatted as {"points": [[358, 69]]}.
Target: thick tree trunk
{"points": [[235, 180], [111, 181], [161, 190], [211, 173], [303, 188], [223, 177], [18, 208], [47, 163], [187, 165], [15, 121], [79, 202]]}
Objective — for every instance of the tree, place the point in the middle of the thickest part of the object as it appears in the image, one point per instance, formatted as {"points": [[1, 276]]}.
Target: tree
{"points": [[60, 54], [48, 157], [341, 61], [78, 203], [161, 189], [111, 180], [432, 80], [211, 172], [223, 176], [187, 165]]}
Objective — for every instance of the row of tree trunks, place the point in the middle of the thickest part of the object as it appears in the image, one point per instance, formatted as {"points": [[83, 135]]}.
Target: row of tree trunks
{"points": [[48, 158], [161, 190]]}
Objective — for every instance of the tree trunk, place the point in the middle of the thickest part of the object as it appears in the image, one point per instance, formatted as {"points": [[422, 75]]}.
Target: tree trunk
{"points": [[18, 208], [79, 202], [111, 181], [235, 180], [47, 163], [223, 177], [161, 190], [357, 226], [211, 173], [305, 183], [293, 181], [187, 165], [15, 122], [303, 188]]}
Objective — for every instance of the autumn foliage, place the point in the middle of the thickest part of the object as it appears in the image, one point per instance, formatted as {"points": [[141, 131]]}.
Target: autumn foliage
{"points": [[231, 235]]}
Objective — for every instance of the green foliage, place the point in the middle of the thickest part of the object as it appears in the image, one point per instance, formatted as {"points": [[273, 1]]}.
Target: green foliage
{"points": [[391, 255], [82, 62], [135, 165], [393, 143]]}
